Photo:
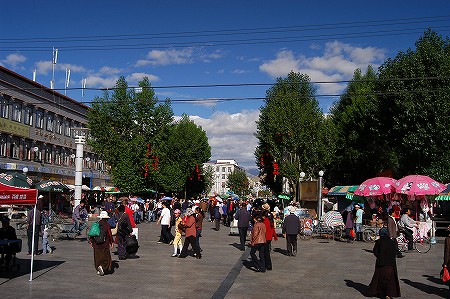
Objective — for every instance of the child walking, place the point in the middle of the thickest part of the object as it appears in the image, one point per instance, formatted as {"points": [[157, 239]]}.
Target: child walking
{"points": [[177, 241], [45, 244]]}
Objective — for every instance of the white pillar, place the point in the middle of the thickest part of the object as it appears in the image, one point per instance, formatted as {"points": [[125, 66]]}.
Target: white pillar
{"points": [[319, 202], [80, 141]]}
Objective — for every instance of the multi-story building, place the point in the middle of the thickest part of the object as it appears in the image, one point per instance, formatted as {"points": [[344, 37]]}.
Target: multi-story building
{"points": [[37, 132], [222, 168]]}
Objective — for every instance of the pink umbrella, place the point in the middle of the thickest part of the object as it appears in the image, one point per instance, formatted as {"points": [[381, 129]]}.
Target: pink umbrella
{"points": [[418, 185], [376, 186]]}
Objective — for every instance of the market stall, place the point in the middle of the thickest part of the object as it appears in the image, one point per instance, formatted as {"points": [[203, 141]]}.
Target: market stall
{"points": [[10, 195]]}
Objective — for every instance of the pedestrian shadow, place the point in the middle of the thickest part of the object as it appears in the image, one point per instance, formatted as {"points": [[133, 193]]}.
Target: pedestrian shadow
{"points": [[236, 245], [282, 251], [23, 267], [249, 265], [435, 280], [368, 250], [361, 288], [427, 289]]}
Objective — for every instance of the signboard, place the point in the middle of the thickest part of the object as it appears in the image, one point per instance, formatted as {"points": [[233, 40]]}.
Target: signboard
{"points": [[10, 195], [308, 191], [12, 127]]}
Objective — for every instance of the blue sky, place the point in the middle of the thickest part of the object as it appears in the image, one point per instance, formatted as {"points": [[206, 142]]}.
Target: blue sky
{"points": [[195, 43]]}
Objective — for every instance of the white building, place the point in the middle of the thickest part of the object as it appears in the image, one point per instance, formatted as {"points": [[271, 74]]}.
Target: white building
{"points": [[222, 168]]}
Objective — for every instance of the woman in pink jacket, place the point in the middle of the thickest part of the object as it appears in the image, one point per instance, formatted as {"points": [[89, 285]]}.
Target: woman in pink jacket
{"points": [[191, 233]]}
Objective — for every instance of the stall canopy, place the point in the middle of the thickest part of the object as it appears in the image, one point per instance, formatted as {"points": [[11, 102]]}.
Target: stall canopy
{"points": [[342, 190], [10, 195], [444, 195]]}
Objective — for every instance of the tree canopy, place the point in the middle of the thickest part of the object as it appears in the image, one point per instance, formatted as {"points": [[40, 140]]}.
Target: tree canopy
{"points": [[138, 138], [292, 132], [396, 122]]}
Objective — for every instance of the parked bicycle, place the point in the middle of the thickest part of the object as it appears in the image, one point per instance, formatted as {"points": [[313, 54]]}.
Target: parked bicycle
{"points": [[370, 233], [58, 230], [421, 244]]}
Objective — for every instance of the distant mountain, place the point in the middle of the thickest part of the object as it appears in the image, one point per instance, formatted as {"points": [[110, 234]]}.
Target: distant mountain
{"points": [[253, 171]]}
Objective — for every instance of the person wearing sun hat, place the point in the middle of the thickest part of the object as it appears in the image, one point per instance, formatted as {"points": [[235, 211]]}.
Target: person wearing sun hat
{"points": [[177, 241], [191, 233], [102, 253]]}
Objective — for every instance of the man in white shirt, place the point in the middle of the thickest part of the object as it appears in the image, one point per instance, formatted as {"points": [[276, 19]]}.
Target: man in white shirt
{"points": [[135, 208], [165, 237], [407, 223]]}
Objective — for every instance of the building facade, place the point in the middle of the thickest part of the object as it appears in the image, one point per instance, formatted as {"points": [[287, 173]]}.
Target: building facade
{"points": [[222, 168], [37, 132]]}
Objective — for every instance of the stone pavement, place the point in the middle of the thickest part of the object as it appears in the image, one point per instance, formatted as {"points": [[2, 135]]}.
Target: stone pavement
{"points": [[320, 270]]}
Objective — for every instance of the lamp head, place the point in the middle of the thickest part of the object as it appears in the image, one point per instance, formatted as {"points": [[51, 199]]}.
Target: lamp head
{"points": [[321, 173]]}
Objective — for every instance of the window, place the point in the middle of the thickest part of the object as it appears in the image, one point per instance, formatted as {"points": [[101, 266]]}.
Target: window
{"points": [[14, 149], [229, 169], [39, 119], [50, 123], [3, 146], [4, 108], [48, 155], [223, 169], [17, 112], [28, 116], [37, 150], [67, 127], [26, 152], [59, 125], [58, 158], [217, 169], [223, 176]]}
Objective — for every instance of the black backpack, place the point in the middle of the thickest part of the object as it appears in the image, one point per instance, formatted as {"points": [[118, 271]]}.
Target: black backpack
{"points": [[102, 238]]}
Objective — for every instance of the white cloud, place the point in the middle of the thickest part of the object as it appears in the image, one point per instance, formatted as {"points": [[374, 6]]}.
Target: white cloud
{"points": [[97, 81], [107, 70], [282, 65], [337, 62], [231, 136], [45, 67], [135, 78], [179, 56], [13, 60], [237, 71], [167, 57]]}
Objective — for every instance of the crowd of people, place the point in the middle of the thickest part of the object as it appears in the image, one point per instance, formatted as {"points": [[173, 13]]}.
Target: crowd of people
{"points": [[181, 224]]}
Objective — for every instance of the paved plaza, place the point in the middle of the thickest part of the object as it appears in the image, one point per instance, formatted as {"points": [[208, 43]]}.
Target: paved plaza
{"points": [[320, 270]]}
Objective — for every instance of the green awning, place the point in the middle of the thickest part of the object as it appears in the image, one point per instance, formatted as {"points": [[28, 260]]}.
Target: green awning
{"points": [[284, 196], [342, 190], [442, 197]]}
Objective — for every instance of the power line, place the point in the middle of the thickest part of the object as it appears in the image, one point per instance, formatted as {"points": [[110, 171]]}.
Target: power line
{"points": [[340, 25], [231, 84], [227, 42], [233, 99]]}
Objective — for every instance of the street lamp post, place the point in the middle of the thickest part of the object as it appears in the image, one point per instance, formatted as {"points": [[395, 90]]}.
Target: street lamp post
{"points": [[319, 202], [300, 179]]}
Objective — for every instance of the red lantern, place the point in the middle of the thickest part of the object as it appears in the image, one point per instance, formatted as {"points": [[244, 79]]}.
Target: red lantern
{"points": [[275, 168]]}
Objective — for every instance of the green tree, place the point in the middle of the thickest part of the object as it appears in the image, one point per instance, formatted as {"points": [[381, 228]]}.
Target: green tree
{"points": [[292, 132], [414, 107], [208, 178], [122, 124], [361, 150], [181, 156], [238, 182]]}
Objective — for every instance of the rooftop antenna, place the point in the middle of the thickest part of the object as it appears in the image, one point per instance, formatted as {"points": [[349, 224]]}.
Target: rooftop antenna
{"points": [[34, 75], [83, 86], [54, 60], [67, 80]]}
